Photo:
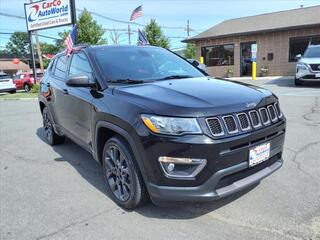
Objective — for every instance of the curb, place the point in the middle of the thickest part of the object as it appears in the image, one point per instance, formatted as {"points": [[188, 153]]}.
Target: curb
{"points": [[17, 99]]}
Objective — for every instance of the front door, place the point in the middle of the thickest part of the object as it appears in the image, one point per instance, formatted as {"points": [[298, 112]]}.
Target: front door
{"points": [[245, 58], [79, 101]]}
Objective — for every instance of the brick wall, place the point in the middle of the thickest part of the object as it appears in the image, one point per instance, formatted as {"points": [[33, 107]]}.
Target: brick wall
{"points": [[274, 42]]}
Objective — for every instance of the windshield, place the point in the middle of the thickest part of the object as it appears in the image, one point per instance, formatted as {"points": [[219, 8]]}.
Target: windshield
{"points": [[142, 63], [312, 52], [4, 76]]}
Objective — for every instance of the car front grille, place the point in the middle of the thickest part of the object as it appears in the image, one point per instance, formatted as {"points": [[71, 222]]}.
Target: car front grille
{"points": [[315, 67], [242, 122]]}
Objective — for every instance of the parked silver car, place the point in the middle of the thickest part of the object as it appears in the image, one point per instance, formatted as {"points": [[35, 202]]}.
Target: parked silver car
{"points": [[198, 64], [308, 66]]}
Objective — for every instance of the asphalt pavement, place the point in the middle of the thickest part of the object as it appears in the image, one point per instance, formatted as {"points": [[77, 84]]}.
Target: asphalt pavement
{"points": [[58, 192]]}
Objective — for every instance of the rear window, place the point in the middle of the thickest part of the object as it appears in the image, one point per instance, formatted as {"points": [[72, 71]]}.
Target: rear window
{"points": [[4, 77], [61, 67]]}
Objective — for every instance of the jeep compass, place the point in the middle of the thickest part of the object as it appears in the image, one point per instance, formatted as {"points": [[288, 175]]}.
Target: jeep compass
{"points": [[160, 127]]}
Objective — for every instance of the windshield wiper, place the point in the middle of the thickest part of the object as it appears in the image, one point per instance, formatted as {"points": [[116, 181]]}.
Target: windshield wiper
{"points": [[130, 81], [175, 77]]}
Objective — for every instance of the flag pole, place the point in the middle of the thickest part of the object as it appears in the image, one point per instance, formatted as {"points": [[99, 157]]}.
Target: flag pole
{"points": [[129, 34]]}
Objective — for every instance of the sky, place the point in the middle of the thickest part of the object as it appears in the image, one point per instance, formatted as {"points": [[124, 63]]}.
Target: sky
{"points": [[202, 14]]}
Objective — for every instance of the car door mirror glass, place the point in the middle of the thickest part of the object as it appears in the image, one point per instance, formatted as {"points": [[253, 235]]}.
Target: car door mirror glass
{"points": [[80, 80]]}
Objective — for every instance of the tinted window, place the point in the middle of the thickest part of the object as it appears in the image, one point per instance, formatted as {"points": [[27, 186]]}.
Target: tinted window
{"points": [[299, 45], [142, 63], [219, 55], [4, 76], [61, 67], [80, 65]]}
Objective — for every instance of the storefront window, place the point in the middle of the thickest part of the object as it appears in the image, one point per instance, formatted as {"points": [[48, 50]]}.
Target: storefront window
{"points": [[219, 55], [299, 45]]}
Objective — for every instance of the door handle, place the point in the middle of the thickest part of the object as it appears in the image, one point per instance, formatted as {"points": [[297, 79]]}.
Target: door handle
{"points": [[65, 91]]}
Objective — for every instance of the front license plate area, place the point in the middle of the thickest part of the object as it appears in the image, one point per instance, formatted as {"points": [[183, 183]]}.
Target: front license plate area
{"points": [[259, 154], [317, 75]]}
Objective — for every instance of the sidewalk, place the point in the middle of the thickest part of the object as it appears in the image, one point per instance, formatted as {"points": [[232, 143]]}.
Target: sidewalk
{"points": [[261, 80]]}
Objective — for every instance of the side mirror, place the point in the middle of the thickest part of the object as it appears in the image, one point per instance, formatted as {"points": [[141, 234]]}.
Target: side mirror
{"points": [[79, 81], [298, 56]]}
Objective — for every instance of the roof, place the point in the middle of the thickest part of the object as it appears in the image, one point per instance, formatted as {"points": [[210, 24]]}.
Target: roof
{"points": [[9, 65], [268, 22]]}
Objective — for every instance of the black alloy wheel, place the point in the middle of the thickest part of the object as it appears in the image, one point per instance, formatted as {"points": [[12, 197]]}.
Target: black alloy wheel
{"points": [[122, 176], [51, 136]]}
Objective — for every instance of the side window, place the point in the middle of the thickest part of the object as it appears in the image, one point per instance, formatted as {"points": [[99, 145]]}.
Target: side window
{"points": [[16, 77], [80, 65], [60, 70]]}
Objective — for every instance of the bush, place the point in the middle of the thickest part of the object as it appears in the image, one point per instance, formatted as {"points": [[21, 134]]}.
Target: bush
{"points": [[35, 88]]}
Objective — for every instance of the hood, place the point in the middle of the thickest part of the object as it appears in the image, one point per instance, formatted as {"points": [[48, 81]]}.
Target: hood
{"points": [[195, 96], [310, 60]]}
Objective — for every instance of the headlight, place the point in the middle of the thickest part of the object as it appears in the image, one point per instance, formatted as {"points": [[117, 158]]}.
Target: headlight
{"points": [[171, 125], [302, 67]]}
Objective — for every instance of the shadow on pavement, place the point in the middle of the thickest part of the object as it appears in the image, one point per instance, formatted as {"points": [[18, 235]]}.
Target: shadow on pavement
{"points": [[91, 171], [289, 82]]}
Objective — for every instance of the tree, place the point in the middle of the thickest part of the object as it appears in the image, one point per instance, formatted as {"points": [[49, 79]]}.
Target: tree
{"points": [[115, 36], [155, 35], [18, 43], [190, 51], [47, 48], [89, 31]]}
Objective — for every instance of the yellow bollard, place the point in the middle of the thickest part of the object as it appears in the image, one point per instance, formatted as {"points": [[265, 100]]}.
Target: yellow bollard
{"points": [[201, 60], [254, 70]]}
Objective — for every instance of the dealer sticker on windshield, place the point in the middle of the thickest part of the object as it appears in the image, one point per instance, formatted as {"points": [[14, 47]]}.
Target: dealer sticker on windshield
{"points": [[259, 154]]}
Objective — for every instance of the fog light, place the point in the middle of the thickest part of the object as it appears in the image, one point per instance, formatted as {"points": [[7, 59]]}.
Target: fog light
{"points": [[186, 168]]}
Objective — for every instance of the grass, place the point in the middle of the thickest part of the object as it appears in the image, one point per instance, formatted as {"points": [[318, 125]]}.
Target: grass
{"points": [[18, 95]]}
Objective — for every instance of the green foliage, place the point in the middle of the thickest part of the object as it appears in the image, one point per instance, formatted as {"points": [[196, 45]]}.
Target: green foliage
{"points": [[47, 48], [190, 51], [155, 35], [89, 31], [18, 43], [35, 88]]}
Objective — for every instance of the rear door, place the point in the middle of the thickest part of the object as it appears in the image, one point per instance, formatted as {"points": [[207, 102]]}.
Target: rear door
{"points": [[59, 92], [18, 80]]}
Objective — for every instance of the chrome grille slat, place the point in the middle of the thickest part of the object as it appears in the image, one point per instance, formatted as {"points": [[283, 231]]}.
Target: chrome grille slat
{"points": [[230, 124], [264, 116], [244, 121], [255, 119], [278, 110], [215, 126], [272, 113]]}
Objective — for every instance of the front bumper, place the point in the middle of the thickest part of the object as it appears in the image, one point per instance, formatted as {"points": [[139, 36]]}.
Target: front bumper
{"points": [[208, 190], [8, 90], [307, 75], [227, 170]]}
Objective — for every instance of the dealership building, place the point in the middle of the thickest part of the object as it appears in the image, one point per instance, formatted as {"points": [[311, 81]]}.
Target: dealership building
{"points": [[279, 37]]}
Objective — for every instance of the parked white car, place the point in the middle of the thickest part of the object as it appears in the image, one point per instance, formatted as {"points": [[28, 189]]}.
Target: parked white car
{"points": [[6, 83], [308, 66]]}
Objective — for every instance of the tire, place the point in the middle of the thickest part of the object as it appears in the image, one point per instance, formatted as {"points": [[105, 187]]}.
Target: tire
{"points": [[26, 87], [122, 175], [52, 137], [298, 82]]}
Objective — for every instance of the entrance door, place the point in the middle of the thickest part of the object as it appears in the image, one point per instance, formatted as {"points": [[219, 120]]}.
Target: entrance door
{"points": [[245, 58]]}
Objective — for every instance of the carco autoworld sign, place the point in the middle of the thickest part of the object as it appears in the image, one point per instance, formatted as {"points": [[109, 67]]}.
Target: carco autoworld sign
{"points": [[47, 14]]}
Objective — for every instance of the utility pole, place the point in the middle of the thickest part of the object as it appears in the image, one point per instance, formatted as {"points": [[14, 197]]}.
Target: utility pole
{"points": [[129, 34], [39, 50], [188, 28], [34, 68]]}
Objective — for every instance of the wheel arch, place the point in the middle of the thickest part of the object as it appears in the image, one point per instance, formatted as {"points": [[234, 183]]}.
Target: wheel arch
{"points": [[104, 131]]}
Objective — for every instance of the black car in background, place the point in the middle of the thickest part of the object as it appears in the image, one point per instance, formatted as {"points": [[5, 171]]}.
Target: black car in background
{"points": [[159, 126]]}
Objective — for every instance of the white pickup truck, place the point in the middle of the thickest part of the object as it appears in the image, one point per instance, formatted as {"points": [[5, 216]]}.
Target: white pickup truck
{"points": [[6, 83]]}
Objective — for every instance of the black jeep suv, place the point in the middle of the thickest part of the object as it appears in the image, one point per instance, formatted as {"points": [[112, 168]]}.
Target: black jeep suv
{"points": [[159, 126]]}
